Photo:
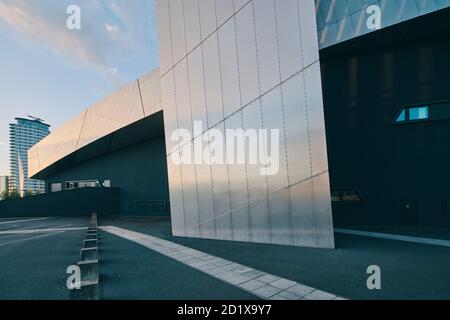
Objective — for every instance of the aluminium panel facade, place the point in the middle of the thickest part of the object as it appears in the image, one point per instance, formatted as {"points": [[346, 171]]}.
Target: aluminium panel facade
{"points": [[134, 102], [246, 65]]}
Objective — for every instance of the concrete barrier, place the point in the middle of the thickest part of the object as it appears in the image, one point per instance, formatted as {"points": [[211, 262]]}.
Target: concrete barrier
{"points": [[89, 270], [89, 254], [90, 244], [88, 291], [91, 237]]}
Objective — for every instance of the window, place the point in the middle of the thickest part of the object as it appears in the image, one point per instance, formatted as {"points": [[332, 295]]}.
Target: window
{"points": [[70, 185], [343, 196], [427, 112], [55, 187], [418, 113], [413, 114]]}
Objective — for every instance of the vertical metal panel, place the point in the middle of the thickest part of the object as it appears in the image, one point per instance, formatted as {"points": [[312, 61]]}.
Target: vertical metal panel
{"points": [[267, 44], [177, 29], [224, 10], [170, 110], [310, 44], [238, 183], [164, 39], [247, 54], [192, 23], [288, 37], [197, 87], [303, 215], [280, 217], [205, 197], [273, 120], [176, 199], [221, 189], [296, 129], [238, 4], [191, 212], [207, 17], [322, 209], [183, 104], [319, 156], [257, 183], [212, 80], [229, 68], [279, 206]]}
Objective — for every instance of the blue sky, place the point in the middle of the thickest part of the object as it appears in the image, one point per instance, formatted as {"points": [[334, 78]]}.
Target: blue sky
{"points": [[54, 73]]}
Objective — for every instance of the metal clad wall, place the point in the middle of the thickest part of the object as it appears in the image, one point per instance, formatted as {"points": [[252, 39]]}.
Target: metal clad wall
{"points": [[341, 20], [138, 100], [247, 64]]}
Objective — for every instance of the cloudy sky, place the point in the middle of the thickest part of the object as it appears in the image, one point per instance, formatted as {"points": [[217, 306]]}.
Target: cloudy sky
{"points": [[54, 73]]}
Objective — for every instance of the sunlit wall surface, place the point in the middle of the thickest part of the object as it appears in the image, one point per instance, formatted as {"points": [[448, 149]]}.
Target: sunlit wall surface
{"points": [[251, 65], [132, 103], [340, 20]]}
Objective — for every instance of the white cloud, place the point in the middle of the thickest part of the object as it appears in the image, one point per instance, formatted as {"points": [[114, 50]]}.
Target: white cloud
{"points": [[109, 29], [3, 144]]}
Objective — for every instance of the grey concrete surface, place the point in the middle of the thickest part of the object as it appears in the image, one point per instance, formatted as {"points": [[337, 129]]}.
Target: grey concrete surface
{"points": [[33, 266], [409, 271]]}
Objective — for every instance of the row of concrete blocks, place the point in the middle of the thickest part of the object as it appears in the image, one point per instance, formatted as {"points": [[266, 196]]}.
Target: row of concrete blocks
{"points": [[88, 264]]}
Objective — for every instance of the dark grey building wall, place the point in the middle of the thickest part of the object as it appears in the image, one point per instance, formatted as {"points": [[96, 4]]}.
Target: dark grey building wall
{"points": [[366, 83], [74, 203], [140, 171]]}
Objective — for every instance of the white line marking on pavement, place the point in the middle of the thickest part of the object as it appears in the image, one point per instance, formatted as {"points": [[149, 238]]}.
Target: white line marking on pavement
{"points": [[434, 242], [32, 238], [26, 220], [258, 283], [41, 230]]}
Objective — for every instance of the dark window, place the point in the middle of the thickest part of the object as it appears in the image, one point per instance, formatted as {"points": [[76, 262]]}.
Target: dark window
{"points": [[426, 112], [345, 196]]}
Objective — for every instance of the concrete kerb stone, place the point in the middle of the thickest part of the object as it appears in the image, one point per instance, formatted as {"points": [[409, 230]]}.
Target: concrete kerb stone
{"points": [[89, 254], [89, 270], [90, 244], [91, 237]]}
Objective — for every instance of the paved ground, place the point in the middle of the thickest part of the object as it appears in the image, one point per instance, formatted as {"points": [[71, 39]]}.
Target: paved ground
{"points": [[33, 264], [409, 271]]}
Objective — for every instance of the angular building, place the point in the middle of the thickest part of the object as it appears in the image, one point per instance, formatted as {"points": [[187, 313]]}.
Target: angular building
{"points": [[22, 136], [348, 98]]}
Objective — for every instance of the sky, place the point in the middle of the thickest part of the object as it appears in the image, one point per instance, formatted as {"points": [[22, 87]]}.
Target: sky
{"points": [[54, 73]]}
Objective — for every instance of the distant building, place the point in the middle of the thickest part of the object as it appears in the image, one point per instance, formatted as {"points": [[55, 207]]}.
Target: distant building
{"points": [[24, 134], [4, 183]]}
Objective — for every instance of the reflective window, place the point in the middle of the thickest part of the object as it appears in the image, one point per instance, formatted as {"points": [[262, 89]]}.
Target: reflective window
{"points": [[402, 116], [418, 113]]}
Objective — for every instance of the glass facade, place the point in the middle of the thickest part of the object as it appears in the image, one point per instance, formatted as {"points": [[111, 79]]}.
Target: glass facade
{"points": [[22, 136], [341, 20], [246, 65]]}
